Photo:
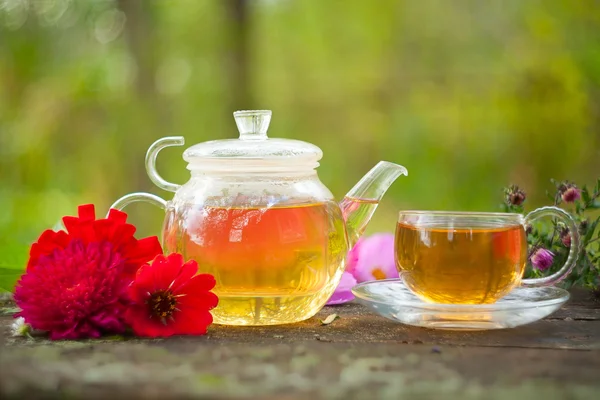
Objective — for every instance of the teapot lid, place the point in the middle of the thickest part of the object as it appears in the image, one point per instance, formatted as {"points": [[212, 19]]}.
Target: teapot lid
{"points": [[253, 148]]}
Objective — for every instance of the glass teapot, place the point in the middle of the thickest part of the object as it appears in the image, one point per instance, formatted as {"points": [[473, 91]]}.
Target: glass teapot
{"points": [[256, 216]]}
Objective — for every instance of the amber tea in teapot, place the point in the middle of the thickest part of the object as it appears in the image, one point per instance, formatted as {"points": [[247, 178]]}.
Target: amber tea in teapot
{"points": [[256, 216], [270, 263]]}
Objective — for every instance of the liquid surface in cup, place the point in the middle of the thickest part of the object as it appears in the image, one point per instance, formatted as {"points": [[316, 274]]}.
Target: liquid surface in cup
{"points": [[272, 265], [461, 266]]}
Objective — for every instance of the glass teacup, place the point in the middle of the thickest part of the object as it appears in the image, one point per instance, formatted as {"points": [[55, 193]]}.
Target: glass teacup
{"points": [[471, 257]]}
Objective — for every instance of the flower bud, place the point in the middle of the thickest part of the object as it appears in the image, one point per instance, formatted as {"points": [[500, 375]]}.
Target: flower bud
{"points": [[569, 192], [571, 195], [515, 196], [562, 187], [596, 288], [583, 227], [565, 237]]}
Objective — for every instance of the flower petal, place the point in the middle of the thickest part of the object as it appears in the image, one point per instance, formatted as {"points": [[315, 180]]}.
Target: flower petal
{"points": [[121, 236], [352, 257], [376, 258], [343, 292], [198, 300], [142, 285], [145, 250], [176, 260], [117, 216], [80, 229], [198, 284], [191, 322], [165, 270], [186, 272], [46, 244], [87, 212], [143, 325]]}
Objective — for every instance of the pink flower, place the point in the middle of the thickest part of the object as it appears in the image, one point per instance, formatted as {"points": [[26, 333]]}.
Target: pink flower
{"points": [[376, 258], [371, 258], [571, 194], [352, 258], [542, 259], [343, 293]]}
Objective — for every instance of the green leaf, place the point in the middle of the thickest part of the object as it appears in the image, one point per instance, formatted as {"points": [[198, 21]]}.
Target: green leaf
{"points": [[9, 310], [590, 231], [585, 195], [594, 205], [13, 258], [8, 278], [115, 338]]}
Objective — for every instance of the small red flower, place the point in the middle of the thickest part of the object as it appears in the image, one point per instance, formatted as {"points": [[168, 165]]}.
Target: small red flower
{"points": [[75, 292], [86, 228], [170, 299]]}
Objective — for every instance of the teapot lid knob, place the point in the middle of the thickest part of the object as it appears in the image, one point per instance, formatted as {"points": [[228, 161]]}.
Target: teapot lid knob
{"points": [[253, 124]]}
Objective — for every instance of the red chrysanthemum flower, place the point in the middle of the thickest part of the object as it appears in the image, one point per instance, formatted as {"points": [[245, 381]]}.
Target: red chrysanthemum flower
{"points": [[170, 299], [75, 292], [75, 282], [86, 228]]}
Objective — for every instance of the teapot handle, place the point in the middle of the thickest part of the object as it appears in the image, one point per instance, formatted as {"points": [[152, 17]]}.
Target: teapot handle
{"points": [[151, 155], [139, 196], [158, 180]]}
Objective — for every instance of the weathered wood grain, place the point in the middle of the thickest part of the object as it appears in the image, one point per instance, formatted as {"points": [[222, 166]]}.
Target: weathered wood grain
{"points": [[358, 356]]}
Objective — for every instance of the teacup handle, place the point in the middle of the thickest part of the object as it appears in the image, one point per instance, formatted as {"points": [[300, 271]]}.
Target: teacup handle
{"points": [[561, 274]]}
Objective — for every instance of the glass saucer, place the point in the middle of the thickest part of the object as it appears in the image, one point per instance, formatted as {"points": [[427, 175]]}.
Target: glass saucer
{"points": [[390, 298]]}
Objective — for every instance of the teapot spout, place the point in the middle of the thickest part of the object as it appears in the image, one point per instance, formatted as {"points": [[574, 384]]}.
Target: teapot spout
{"points": [[362, 200]]}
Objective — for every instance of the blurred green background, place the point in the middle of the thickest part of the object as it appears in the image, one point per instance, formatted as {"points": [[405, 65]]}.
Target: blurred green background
{"points": [[469, 95]]}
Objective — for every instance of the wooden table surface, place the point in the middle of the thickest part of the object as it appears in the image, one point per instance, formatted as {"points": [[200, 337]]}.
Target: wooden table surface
{"points": [[358, 356]]}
